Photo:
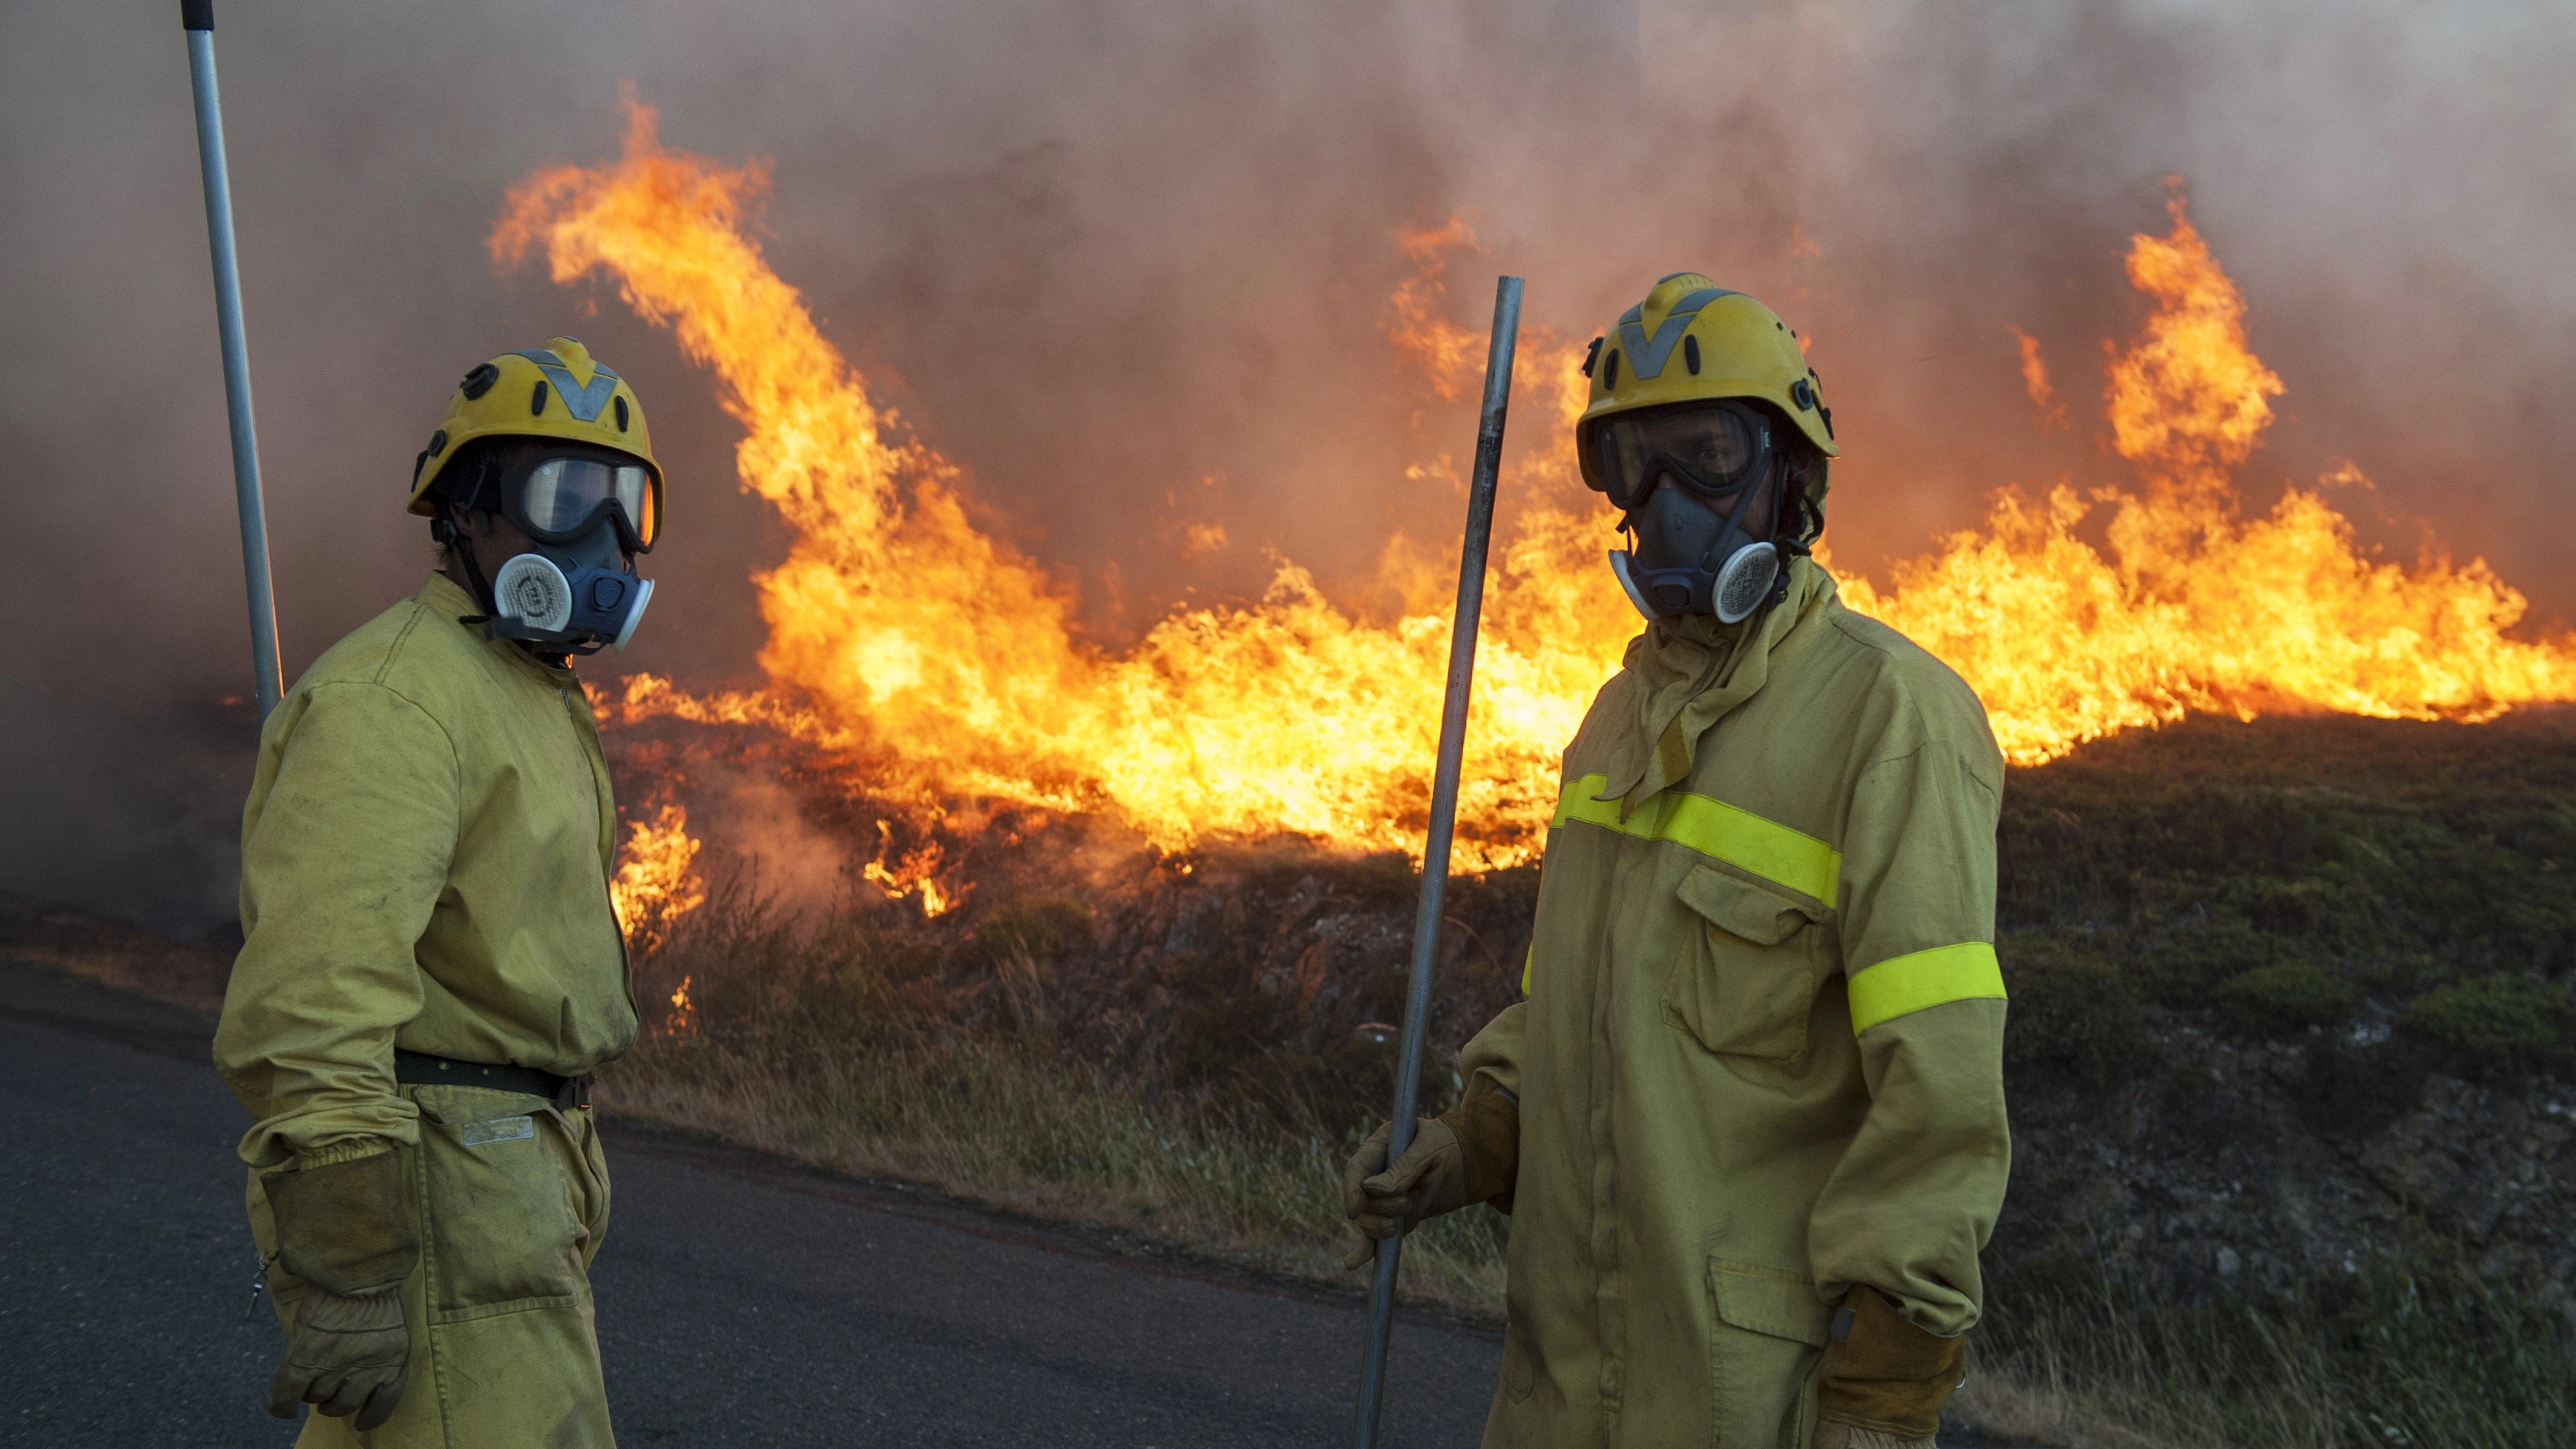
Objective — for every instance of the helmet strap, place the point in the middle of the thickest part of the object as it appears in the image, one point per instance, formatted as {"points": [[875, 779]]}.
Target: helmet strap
{"points": [[460, 547], [1788, 521], [469, 501]]}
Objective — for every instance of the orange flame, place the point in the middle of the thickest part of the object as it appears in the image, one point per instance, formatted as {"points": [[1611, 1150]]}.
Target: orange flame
{"points": [[684, 1012], [2188, 399], [657, 882], [2195, 607], [1449, 355], [896, 628], [2034, 380], [915, 874]]}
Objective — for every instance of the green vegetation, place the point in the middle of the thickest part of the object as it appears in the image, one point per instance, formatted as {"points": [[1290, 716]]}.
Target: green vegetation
{"points": [[2288, 995], [2269, 878], [2074, 1015], [2408, 1356], [2499, 1019]]}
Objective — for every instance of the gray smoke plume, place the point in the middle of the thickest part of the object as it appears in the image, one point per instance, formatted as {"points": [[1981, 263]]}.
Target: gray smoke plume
{"points": [[1129, 264]]}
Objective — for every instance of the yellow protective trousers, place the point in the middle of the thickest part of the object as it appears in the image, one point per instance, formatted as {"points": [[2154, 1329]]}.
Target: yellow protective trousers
{"points": [[512, 1198]]}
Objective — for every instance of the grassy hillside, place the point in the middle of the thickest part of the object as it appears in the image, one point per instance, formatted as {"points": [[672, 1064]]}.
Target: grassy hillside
{"points": [[2374, 879], [2289, 1055], [2290, 1033]]}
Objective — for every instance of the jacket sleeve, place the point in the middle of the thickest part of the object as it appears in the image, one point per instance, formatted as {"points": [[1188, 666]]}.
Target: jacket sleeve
{"points": [[1915, 1196], [344, 856], [1492, 1057]]}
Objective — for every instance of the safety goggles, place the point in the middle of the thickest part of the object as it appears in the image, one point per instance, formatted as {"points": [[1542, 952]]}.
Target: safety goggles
{"points": [[560, 497], [1714, 449]]}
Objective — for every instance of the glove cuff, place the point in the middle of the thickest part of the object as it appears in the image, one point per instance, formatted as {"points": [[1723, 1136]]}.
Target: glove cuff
{"points": [[1488, 1127], [1883, 1373], [346, 1227]]}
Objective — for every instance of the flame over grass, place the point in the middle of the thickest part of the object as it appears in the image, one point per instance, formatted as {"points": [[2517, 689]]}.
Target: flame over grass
{"points": [[947, 659], [899, 630], [2192, 606], [657, 881]]}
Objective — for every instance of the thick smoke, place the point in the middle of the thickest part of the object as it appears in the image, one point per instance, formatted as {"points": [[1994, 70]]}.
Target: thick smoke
{"points": [[1128, 263]]}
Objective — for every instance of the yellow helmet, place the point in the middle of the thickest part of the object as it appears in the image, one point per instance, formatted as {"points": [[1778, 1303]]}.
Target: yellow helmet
{"points": [[1692, 340], [559, 391], [1684, 386]]}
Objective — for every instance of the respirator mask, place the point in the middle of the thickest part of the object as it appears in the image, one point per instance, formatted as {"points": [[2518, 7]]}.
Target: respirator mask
{"points": [[589, 512], [1687, 559]]}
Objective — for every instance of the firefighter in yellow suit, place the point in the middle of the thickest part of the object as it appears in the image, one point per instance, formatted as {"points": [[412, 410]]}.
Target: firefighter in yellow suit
{"points": [[432, 966], [1749, 1121]]}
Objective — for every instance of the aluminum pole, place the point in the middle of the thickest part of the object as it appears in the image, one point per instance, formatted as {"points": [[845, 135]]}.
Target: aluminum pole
{"points": [[1444, 815], [197, 17]]}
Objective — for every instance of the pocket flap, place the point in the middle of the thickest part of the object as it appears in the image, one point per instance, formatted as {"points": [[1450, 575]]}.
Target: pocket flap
{"points": [[1763, 916], [1769, 1300]]}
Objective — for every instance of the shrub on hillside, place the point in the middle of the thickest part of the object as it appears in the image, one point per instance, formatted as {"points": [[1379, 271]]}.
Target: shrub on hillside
{"points": [[2502, 1020], [1389, 875], [1230, 1043], [2074, 1016], [2184, 963], [2290, 996], [1039, 927], [2209, 859]]}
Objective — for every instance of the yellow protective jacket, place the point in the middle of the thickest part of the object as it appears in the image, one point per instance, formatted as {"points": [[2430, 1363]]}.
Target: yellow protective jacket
{"points": [[425, 863], [1760, 1058]]}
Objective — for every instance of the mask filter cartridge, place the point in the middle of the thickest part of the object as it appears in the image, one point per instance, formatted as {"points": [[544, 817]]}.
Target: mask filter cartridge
{"points": [[533, 594], [537, 599], [1745, 580]]}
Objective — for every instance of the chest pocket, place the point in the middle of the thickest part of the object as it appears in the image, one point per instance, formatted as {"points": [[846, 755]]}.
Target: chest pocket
{"points": [[1745, 979]]}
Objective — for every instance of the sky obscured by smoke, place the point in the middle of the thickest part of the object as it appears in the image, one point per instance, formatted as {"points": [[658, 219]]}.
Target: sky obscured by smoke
{"points": [[1128, 263]]}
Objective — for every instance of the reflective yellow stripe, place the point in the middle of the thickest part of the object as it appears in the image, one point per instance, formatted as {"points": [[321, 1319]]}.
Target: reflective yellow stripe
{"points": [[1715, 829], [1909, 983], [1528, 962]]}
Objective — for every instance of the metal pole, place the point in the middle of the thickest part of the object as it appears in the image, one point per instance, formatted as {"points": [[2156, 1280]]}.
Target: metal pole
{"points": [[1444, 813], [197, 17]]}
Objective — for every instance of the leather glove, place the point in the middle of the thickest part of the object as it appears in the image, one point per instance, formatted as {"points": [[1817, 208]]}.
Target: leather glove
{"points": [[1467, 1156], [346, 1229], [1882, 1380]]}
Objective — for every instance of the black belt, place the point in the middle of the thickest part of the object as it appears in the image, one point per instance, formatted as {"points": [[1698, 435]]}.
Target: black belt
{"points": [[423, 1070]]}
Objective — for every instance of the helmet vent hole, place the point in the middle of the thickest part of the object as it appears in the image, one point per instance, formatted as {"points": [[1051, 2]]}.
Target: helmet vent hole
{"points": [[1610, 370], [479, 381], [1690, 355], [537, 400], [621, 415]]}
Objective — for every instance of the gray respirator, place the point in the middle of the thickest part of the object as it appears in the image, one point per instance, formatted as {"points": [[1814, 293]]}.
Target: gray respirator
{"points": [[1690, 561], [589, 512], [570, 595], [1670, 470]]}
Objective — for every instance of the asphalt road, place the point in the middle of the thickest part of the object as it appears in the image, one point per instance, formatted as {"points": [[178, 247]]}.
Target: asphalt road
{"points": [[742, 1300]]}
